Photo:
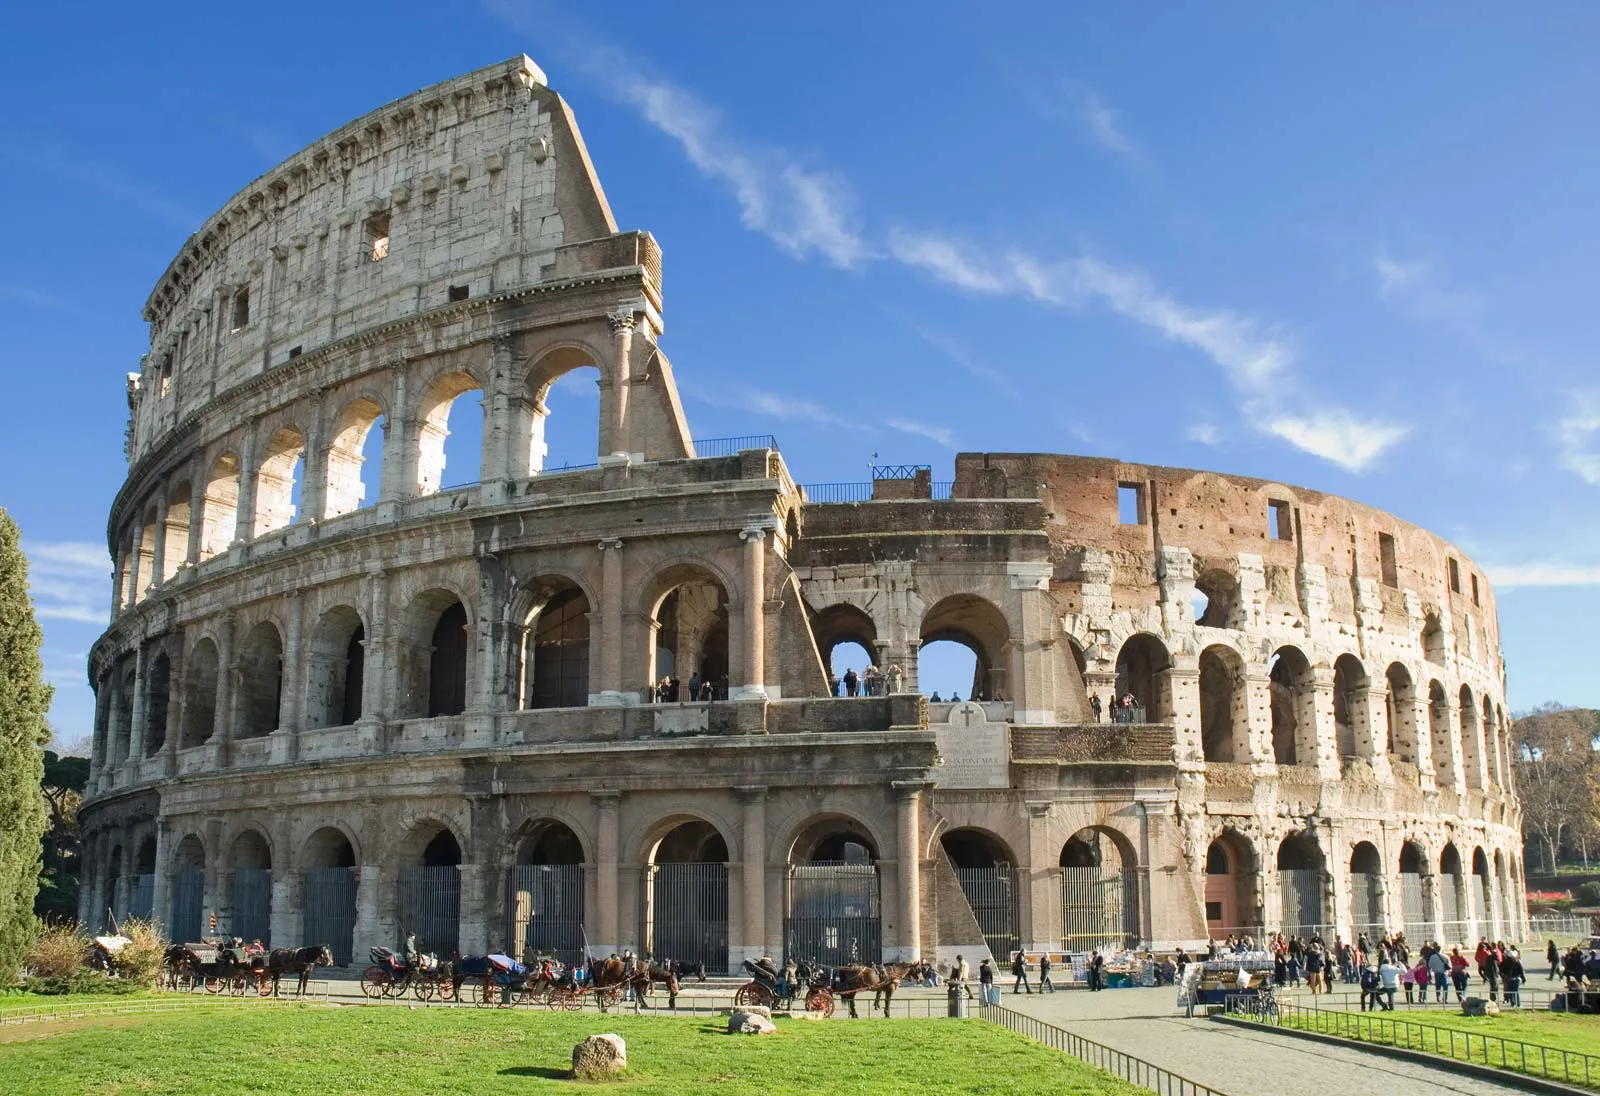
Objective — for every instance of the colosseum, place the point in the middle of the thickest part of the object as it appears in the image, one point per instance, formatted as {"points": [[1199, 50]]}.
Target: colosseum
{"points": [[1200, 703]]}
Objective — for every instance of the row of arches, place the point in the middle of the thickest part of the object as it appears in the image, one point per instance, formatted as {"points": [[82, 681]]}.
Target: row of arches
{"points": [[964, 646]]}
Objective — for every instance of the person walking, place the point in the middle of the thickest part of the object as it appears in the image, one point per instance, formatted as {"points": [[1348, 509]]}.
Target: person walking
{"points": [[1370, 987], [1439, 968], [1389, 978], [991, 996], [961, 974], [1491, 973], [1553, 954], [1094, 706], [1019, 967], [1097, 968], [1513, 975], [1044, 974], [1458, 973]]}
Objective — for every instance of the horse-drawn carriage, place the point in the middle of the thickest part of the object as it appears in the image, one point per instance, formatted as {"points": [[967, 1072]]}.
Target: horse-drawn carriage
{"points": [[218, 967], [391, 976], [769, 989], [501, 980]]}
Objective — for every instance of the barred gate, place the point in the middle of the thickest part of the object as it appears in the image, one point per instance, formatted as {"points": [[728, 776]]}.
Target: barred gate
{"points": [[252, 905], [1480, 905], [834, 914], [1416, 923], [328, 912], [1299, 901], [1098, 910], [992, 894], [428, 903], [188, 896], [144, 897], [544, 911], [1366, 905], [689, 913], [1455, 918]]}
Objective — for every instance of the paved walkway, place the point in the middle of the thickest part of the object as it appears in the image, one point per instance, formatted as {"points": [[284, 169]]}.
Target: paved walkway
{"points": [[1147, 1024]]}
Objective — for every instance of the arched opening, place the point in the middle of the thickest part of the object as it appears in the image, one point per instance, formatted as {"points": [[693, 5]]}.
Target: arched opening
{"points": [[350, 483], [428, 902], [1231, 887], [260, 680], [1142, 666], [1224, 714], [187, 886], [1471, 741], [157, 703], [544, 894], [450, 435], [1480, 893], [116, 890], [145, 557], [123, 699], [986, 871], [279, 481], [1433, 640], [1366, 891], [175, 532], [1417, 925], [328, 903], [142, 904], [1350, 707], [336, 675], [250, 888], [1217, 600], [1400, 711], [834, 914], [1300, 886], [563, 400], [1452, 895], [434, 656], [689, 617], [1099, 892], [199, 695], [686, 918], [555, 653], [846, 637], [219, 514], [1505, 924], [1294, 711], [1442, 734], [981, 628]]}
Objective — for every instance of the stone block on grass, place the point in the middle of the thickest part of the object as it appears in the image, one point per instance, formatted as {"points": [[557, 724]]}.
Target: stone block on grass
{"points": [[751, 1021], [599, 1057]]}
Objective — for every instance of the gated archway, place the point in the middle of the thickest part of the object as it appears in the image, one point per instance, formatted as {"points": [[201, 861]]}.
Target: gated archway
{"points": [[1366, 891], [250, 888], [987, 873], [1480, 891], [142, 903], [428, 901], [1230, 886], [328, 905], [833, 912], [1099, 893], [544, 894], [1300, 885], [188, 890], [686, 917], [1415, 920], [1451, 897]]}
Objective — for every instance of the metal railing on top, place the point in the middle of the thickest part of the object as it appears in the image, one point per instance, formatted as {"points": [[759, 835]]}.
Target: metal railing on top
{"points": [[727, 447], [899, 471], [1135, 1071], [1572, 1067], [837, 492]]}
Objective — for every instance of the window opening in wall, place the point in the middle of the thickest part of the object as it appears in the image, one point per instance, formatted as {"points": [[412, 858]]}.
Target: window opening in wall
{"points": [[294, 352], [691, 630], [1455, 574], [1130, 503], [981, 630], [1280, 520], [457, 293], [279, 481], [1474, 579], [164, 384], [451, 436], [566, 427], [850, 658], [355, 459], [241, 309], [1391, 573], [377, 233]]}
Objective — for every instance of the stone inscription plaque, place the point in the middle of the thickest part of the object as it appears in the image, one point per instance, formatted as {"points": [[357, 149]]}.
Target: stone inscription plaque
{"points": [[973, 751]]}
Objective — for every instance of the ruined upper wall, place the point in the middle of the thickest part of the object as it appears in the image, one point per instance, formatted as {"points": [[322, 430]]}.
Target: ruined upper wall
{"points": [[476, 182]]}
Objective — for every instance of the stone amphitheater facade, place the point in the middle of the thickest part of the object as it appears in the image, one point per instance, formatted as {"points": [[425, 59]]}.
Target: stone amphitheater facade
{"points": [[324, 716]]}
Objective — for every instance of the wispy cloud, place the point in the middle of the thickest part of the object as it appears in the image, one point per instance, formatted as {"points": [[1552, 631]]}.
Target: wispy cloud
{"points": [[103, 178], [69, 580], [1105, 127], [1417, 289], [1337, 435], [1546, 573], [779, 405], [941, 434], [1205, 433], [961, 355], [1577, 436]]}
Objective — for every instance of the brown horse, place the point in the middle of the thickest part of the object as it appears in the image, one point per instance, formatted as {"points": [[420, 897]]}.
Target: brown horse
{"points": [[648, 975], [854, 980], [301, 961]]}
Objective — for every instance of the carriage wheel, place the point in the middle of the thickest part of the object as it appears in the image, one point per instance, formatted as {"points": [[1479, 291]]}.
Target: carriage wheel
{"points": [[375, 982], [422, 989], [238, 984], [609, 996], [753, 993], [263, 984], [447, 989], [213, 984], [820, 1000], [564, 999]]}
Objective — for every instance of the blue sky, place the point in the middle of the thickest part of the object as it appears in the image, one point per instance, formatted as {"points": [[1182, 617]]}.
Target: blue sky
{"points": [[1350, 250]]}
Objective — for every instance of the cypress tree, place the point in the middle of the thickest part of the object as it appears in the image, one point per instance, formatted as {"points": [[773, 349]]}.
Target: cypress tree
{"points": [[24, 699]]}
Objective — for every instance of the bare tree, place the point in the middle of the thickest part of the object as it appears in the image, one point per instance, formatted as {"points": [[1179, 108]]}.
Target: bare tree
{"points": [[1556, 775]]}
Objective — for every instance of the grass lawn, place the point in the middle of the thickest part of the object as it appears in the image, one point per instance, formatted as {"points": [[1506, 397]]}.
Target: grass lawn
{"points": [[328, 1051]]}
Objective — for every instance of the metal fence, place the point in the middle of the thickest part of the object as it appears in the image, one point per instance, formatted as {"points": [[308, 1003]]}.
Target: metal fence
{"points": [[252, 905], [328, 913], [1417, 924], [428, 903], [1135, 1071], [1497, 1052], [1366, 902], [992, 894], [837, 492], [188, 898], [689, 913], [143, 902], [1099, 909], [1300, 900], [544, 910], [834, 914], [727, 447]]}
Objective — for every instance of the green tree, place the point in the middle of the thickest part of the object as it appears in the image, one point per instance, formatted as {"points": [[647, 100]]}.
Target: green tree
{"points": [[1556, 775], [65, 778], [24, 698]]}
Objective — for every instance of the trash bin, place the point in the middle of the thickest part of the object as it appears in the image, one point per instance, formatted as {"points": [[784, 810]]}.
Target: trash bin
{"points": [[958, 1002]]}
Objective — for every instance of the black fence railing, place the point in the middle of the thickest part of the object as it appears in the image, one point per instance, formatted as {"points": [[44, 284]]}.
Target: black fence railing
{"points": [[727, 447], [1135, 1071], [837, 492]]}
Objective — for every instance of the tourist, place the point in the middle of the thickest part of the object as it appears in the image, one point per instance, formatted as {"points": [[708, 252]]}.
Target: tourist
{"points": [[852, 683], [1280, 968], [1094, 706], [1512, 974], [1389, 976], [1044, 973], [991, 996], [1408, 979], [1458, 973], [1019, 967], [694, 685], [961, 973], [1370, 986], [1183, 961], [934, 699], [1169, 970], [895, 677], [1097, 971], [1491, 972], [1439, 968], [1553, 954], [1316, 963]]}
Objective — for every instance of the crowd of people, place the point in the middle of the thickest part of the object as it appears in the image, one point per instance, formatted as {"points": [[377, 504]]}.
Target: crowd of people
{"points": [[869, 682], [669, 690]]}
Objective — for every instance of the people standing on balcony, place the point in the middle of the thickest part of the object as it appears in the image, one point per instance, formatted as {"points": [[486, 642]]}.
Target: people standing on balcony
{"points": [[694, 685], [1094, 706], [896, 678], [852, 682]]}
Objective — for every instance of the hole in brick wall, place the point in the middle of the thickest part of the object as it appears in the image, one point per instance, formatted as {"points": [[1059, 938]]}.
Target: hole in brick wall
{"points": [[241, 309], [1454, 569], [1386, 558], [376, 230], [1280, 520], [457, 293], [295, 351], [1130, 503]]}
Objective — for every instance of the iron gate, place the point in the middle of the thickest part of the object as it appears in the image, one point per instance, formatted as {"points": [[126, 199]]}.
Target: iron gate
{"points": [[428, 903], [1455, 917], [144, 897], [689, 913], [544, 910], [328, 912], [834, 914], [1366, 904], [252, 905], [1417, 926], [1480, 905], [1299, 900], [1099, 910], [992, 894], [188, 896]]}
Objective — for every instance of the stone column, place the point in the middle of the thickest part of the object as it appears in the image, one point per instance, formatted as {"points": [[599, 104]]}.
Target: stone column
{"points": [[160, 892], [1258, 727], [754, 671], [607, 806], [245, 530], [753, 836], [369, 930], [287, 901], [609, 692], [1185, 714], [1326, 731], [376, 651], [291, 692], [474, 932], [158, 563], [141, 688], [908, 849], [614, 430], [222, 732], [398, 477], [197, 512]]}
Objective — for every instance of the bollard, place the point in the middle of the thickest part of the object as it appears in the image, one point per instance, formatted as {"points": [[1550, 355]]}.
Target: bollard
{"points": [[958, 1003]]}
